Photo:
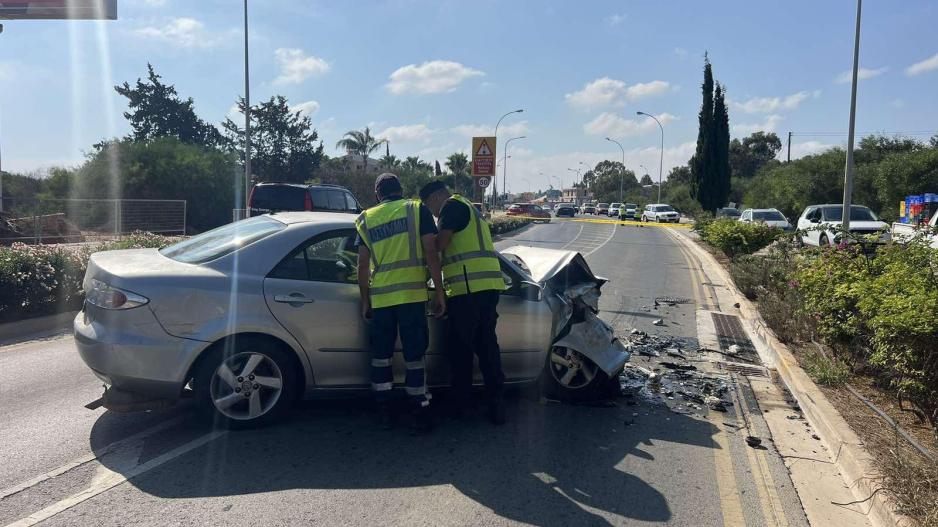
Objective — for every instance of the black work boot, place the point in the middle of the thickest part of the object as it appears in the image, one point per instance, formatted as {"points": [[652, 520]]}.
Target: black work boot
{"points": [[497, 411]]}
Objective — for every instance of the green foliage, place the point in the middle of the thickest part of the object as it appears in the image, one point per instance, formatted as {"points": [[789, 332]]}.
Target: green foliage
{"points": [[752, 153], [506, 224], [283, 142], [735, 237], [37, 280], [710, 168], [829, 281], [721, 146], [825, 370], [157, 111], [606, 179], [360, 143]]}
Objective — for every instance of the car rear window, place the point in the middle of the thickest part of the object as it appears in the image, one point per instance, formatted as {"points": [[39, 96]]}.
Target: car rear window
{"points": [[768, 215], [226, 239], [267, 198], [857, 213]]}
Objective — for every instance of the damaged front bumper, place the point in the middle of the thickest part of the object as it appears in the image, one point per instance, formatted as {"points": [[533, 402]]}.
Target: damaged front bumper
{"points": [[572, 291]]}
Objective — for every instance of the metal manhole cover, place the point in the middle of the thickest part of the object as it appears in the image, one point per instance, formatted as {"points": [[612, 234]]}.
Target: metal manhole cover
{"points": [[670, 300], [743, 369]]}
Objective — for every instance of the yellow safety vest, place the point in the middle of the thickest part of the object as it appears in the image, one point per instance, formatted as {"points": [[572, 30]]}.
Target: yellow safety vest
{"points": [[470, 263], [391, 231]]}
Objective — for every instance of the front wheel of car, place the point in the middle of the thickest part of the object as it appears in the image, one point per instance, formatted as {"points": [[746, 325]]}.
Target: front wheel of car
{"points": [[571, 376], [249, 384]]}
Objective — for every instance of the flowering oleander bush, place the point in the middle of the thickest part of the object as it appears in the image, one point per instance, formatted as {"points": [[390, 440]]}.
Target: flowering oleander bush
{"points": [[38, 280], [736, 237], [506, 224]]}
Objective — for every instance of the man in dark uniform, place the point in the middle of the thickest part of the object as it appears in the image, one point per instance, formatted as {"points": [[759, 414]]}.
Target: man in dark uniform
{"points": [[473, 281]]}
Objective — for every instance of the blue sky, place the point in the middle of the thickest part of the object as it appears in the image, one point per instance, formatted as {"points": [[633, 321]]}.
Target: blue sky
{"points": [[429, 75]]}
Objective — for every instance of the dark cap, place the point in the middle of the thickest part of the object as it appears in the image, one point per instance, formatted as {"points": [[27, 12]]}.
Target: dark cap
{"points": [[387, 184], [430, 188]]}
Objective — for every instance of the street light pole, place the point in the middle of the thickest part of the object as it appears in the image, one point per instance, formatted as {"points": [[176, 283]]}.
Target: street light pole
{"points": [[247, 119], [622, 175], [848, 169], [496, 144], [575, 193], [661, 160], [505, 162]]}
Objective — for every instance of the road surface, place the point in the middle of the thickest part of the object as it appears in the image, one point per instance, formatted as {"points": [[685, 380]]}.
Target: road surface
{"points": [[632, 463]]}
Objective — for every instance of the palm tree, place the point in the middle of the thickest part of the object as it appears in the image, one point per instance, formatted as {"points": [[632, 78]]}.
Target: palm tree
{"points": [[415, 164], [389, 162], [458, 163], [360, 143]]}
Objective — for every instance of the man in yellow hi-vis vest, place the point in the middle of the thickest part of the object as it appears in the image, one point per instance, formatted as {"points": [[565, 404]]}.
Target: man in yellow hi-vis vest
{"points": [[473, 281], [396, 246]]}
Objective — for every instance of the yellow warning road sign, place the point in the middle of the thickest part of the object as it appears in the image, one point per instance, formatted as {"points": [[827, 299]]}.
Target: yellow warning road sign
{"points": [[483, 156]]}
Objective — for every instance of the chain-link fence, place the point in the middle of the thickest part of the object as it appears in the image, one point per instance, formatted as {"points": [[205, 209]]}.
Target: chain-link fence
{"points": [[82, 220]]}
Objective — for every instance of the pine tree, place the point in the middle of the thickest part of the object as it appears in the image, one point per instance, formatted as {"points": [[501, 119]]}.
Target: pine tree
{"points": [[701, 172], [721, 149]]}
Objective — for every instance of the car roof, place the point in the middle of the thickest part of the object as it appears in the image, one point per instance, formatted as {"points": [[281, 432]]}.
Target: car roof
{"points": [[301, 185], [295, 217]]}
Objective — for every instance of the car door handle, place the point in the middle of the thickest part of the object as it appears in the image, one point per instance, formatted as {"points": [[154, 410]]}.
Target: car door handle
{"points": [[293, 299]]}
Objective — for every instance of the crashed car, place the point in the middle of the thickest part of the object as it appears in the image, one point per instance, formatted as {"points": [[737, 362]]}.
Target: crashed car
{"points": [[255, 314]]}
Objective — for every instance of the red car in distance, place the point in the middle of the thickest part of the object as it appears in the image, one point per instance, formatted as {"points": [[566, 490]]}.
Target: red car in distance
{"points": [[529, 210]]}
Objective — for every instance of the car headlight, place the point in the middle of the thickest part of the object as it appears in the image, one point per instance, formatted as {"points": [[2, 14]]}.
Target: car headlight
{"points": [[108, 297]]}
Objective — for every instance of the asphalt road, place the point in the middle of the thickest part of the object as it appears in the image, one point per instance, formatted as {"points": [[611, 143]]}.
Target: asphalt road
{"points": [[634, 462]]}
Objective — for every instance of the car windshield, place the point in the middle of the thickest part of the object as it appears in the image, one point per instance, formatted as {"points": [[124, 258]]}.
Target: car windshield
{"points": [[729, 212], [603, 205], [218, 242], [616, 205], [631, 206], [857, 213], [664, 208], [768, 215]]}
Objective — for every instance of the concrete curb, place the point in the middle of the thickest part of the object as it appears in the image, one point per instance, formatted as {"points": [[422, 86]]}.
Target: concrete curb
{"points": [[855, 463], [12, 331]]}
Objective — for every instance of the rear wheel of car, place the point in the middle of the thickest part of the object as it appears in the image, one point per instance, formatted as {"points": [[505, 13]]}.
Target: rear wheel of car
{"points": [[823, 240], [248, 384], [569, 375]]}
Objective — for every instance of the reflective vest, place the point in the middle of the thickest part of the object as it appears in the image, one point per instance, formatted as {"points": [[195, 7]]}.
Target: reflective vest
{"points": [[391, 231], [470, 263]]}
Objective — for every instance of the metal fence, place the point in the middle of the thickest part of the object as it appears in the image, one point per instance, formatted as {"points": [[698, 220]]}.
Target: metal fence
{"points": [[81, 220]]}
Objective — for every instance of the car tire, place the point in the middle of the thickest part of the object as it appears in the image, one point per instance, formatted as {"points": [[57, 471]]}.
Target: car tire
{"points": [[247, 361], [823, 241], [587, 384]]}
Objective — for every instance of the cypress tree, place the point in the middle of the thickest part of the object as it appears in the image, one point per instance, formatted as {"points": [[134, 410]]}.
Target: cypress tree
{"points": [[701, 184], [721, 149]]}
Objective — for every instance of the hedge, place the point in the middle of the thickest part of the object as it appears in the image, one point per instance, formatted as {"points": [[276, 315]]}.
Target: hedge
{"points": [[735, 237]]}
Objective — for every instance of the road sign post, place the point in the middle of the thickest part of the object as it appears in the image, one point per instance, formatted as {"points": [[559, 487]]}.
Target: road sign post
{"points": [[483, 164]]}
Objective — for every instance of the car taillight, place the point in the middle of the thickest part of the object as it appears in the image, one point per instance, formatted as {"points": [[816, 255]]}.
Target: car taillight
{"points": [[308, 202], [107, 297]]}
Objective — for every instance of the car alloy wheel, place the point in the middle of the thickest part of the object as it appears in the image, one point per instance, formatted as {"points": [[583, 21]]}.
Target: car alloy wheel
{"points": [[571, 369], [246, 386]]}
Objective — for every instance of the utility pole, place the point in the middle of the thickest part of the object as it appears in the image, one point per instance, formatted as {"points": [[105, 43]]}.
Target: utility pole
{"points": [[247, 120], [848, 169], [789, 147]]}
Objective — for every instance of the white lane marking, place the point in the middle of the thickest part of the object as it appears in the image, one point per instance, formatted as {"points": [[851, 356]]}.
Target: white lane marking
{"points": [[106, 478], [117, 445], [600, 246], [575, 237]]}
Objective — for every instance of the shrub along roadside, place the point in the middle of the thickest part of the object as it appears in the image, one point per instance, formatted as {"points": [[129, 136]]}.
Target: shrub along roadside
{"points": [[505, 224], [37, 280], [735, 237]]}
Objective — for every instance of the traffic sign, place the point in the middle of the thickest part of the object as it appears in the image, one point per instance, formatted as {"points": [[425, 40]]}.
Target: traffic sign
{"points": [[483, 181], [483, 156]]}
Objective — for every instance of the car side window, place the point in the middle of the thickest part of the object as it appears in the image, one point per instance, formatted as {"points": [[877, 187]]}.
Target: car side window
{"points": [[350, 203], [329, 257], [320, 199], [337, 201]]}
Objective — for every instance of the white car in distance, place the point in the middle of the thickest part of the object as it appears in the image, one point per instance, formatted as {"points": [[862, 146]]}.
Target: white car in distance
{"points": [[770, 217], [614, 209], [819, 224], [661, 213]]}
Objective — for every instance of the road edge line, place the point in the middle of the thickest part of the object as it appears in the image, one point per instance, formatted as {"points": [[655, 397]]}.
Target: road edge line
{"points": [[12, 333], [855, 463]]}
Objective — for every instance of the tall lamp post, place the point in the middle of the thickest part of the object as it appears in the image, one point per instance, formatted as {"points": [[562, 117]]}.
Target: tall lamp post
{"points": [[848, 168], [247, 119], [575, 193], [495, 187], [621, 176], [661, 159], [505, 162]]}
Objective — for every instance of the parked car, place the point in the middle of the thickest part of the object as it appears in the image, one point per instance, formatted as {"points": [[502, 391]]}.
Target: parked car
{"points": [[661, 213], [818, 224], [770, 217], [529, 210], [614, 210], [565, 209], [628, 211], [588, 208], [252, 315], [278, 197], [602, 209], [902, 232], [728, 212]]}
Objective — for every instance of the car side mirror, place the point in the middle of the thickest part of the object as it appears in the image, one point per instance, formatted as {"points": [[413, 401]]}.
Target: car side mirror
{"points": [[530, 291]]}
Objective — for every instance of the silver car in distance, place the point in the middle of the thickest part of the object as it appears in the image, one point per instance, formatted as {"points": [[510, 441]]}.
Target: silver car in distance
{"points": [[250, 316]]}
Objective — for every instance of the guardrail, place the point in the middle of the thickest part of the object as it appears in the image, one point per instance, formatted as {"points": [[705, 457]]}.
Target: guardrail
{"points": [[80, 220]]}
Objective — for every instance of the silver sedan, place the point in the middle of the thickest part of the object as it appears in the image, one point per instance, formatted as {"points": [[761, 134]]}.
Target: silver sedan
{"points": [[257, 313]]}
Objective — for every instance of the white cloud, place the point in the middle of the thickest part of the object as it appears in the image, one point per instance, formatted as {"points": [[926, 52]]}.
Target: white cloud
{"points": [[481, 130], [234, 113], [769, 125], [296, 66], [929, 64], [604, 92], [404, 133], [680, 52], [772, 104], [862, 74], [183, 32], [306, 109], [615, 19], [609, 124], [436, 76], [799, 150]]}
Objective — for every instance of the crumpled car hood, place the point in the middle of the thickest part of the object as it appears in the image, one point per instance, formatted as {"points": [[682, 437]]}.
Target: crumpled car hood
{"points": [[572, 291]]}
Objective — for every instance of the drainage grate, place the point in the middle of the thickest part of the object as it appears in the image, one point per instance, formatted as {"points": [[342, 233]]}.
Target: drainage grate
{"points": [[743, 369], [670, 300], [730, 332]]}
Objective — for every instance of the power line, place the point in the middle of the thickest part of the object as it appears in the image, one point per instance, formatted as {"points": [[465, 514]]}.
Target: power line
{"points": [[841, 134]]}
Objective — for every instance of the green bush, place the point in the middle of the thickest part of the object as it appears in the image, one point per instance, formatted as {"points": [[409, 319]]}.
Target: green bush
{"points": [[735, 237], [37, 280], [506, 224], [825, 370]]}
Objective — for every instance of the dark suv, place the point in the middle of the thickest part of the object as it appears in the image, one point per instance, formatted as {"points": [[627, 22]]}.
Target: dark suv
{"points": [[275, 197]]}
